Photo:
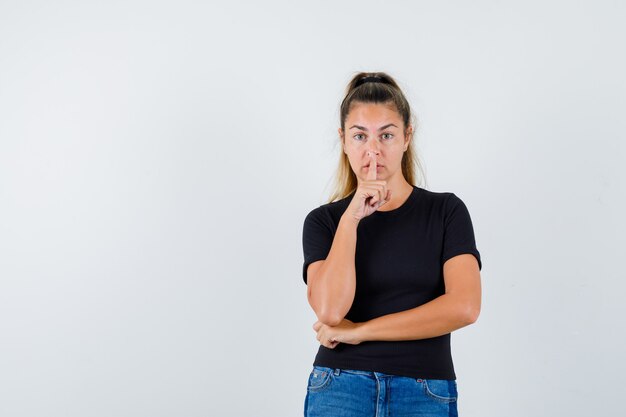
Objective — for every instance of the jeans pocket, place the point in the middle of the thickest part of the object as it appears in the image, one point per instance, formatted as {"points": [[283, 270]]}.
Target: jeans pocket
{"points": [[319, 378], [441, 390]]}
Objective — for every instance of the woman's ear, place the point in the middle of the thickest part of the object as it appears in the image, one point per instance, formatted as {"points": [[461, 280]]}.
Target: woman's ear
{"points": [[343, 144], [408, 137]]}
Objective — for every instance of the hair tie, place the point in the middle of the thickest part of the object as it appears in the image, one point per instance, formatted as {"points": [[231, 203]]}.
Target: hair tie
{"points": [[369, 79]]}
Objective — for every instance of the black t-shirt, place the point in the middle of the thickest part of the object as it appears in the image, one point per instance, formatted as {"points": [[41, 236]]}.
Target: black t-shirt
{"points": [[399, 265]]}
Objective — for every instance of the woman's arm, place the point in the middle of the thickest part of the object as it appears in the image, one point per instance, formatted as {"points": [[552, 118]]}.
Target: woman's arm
{"points": [[332, 283], [458, 307]]}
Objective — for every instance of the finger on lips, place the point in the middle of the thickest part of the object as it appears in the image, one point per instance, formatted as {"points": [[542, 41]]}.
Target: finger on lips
{"points": [[371, 173]]}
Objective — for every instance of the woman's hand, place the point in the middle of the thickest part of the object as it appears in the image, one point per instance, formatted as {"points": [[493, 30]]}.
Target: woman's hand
{"points": [[370, 194], [345, 332]]}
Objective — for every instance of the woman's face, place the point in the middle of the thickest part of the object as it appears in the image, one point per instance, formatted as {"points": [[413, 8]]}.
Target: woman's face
{"points": [[375, 128]]}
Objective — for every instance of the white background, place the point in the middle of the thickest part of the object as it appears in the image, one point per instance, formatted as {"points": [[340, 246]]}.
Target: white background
{"points": [[157, 160]]}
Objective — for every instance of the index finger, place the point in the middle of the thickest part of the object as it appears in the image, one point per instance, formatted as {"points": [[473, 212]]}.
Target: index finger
{"points": [[371, 173]]}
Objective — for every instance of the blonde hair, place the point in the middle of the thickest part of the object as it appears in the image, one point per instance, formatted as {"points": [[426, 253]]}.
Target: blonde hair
{"points": [[385, 90]]}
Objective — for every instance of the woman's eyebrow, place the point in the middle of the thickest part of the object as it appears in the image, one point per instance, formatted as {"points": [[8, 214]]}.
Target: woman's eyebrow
{"points": [[380, 128]]}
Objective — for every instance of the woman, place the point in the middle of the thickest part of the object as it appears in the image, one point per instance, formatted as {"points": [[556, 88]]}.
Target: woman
{"points": [[391, 270]]}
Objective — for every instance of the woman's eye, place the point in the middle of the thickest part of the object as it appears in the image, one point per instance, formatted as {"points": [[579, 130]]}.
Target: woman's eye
{"points": [[358, 136], [387, 135]]}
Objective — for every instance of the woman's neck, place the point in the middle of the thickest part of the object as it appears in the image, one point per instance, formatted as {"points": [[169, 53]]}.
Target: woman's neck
{"points": [[399, 194]]}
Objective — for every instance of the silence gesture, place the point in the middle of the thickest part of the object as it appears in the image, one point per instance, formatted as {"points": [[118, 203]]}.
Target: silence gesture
{"points": [[370, 193]]}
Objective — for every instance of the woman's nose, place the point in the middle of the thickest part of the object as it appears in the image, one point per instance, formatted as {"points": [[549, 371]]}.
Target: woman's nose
{"points": [[372, 148]]}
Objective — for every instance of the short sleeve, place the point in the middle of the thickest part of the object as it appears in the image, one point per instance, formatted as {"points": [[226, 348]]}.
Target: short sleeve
{"points": [[317, 237], [458, 231]]}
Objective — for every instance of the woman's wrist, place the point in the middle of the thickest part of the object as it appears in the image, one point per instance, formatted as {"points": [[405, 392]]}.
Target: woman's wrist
{"points": [[347, 218]]}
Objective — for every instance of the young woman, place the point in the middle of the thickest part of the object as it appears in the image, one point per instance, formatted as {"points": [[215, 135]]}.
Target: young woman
{"points": [[391, 270]]}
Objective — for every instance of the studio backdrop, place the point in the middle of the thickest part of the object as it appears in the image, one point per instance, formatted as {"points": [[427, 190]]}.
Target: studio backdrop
{"points": [[158, 158]]}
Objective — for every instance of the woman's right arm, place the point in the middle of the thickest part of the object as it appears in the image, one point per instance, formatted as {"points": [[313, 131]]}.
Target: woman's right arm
{"points": [[331, 283]]}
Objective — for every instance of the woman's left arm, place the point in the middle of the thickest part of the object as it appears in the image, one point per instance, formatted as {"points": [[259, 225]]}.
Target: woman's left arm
{"points": [[458, 307]]}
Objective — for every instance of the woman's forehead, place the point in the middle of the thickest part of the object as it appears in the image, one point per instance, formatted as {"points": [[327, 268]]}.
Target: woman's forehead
{"points": [[373, 113]]}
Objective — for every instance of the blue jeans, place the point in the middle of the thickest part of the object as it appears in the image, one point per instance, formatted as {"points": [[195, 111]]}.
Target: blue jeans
{"points": [[334, 392]]}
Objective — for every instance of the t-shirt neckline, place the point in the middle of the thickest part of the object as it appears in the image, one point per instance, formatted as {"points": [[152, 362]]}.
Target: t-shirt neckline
{"points": [[408, 203]]}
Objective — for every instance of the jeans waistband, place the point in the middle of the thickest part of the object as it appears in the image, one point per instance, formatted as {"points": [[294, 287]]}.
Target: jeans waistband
{"points": [[338, 371]]}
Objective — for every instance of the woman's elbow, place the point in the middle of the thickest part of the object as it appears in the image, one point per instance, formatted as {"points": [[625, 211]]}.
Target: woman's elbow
{"points": [[325, 314], [330, 318], [467, 312], [471, 315]]}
